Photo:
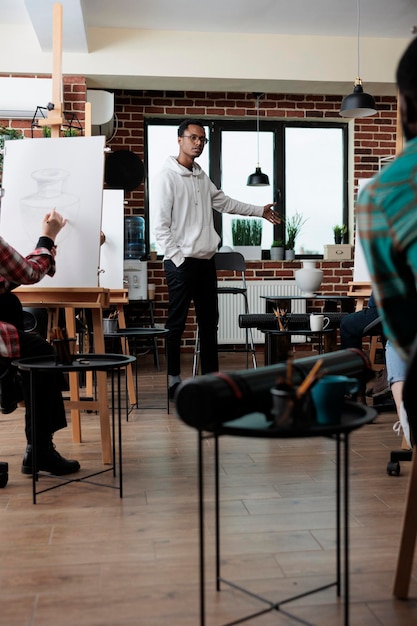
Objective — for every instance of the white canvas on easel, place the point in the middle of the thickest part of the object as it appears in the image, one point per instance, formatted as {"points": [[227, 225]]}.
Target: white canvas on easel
{"points": [[112, 250], [66, 174], [360, 267]]}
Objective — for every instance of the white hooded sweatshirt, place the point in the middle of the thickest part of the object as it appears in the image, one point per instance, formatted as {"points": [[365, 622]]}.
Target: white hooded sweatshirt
{"points": [[182, 204]]}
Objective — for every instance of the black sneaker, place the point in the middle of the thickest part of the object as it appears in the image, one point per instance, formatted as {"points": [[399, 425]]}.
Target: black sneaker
{"points": [[172, 390], [49, 460]]}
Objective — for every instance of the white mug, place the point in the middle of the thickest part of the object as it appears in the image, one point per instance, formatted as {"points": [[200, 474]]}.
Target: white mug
{"points": [[318, 322]]}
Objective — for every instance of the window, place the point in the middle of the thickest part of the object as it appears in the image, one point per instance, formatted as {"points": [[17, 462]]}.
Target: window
{"points": [[306, 164], [314, 172]]}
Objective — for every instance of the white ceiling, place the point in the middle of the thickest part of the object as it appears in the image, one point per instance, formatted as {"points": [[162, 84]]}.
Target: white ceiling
{"points": [[379, 18], [107, 40]]}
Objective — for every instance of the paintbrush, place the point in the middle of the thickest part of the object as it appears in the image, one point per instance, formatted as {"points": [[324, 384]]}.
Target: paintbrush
{"points": [[309, 379]]}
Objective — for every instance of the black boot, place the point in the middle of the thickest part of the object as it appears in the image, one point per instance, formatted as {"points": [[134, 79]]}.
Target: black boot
{"points": [[49, 460]]}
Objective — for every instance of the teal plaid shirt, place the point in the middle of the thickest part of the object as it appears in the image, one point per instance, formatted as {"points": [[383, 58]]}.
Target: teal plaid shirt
{"points": [[387, 223]]}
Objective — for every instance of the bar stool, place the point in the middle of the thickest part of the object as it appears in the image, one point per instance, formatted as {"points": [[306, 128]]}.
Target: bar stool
{"points": [[235, 262]]}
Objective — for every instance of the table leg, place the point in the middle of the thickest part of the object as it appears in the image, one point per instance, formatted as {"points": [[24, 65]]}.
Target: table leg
{"points": [[102, 395], [73, 379], [125, 348], [408, 536], [277, 348]]}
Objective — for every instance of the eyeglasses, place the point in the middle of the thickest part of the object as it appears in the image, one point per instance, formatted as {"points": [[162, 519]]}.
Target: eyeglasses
{"points": [[196, 138]]}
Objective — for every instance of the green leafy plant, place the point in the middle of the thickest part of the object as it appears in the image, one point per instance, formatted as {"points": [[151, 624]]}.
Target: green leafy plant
{"points": [[277, 243], [246, 232], [6, 134], [293, 227], [339, 232], [71, 132]]}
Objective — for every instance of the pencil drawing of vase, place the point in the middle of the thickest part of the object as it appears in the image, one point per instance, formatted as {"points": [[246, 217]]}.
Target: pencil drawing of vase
{"points": [[50, 195]]}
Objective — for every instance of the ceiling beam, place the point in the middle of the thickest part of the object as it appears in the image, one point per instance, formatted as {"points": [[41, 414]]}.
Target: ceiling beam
{"points": [[74, 38]]}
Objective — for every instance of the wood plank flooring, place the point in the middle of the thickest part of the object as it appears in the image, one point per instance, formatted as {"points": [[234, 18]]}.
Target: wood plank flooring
{"points": [[84, 556]]}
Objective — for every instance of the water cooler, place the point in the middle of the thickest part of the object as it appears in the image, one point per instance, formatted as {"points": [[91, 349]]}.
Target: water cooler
{"points": [[135, 270]]}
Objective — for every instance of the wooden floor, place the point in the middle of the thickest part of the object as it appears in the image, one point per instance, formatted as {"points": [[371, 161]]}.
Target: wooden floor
{"points": [[83, 556]]}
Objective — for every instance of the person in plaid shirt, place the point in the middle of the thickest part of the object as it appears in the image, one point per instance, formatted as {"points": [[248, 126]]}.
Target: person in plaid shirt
{"points": [[16, 270]]}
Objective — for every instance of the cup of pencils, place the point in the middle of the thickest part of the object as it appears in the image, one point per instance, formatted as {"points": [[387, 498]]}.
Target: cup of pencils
{"points": [[292, 407], [64, 346]]}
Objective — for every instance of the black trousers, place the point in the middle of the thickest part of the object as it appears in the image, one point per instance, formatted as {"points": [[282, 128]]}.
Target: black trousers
{"points": [[49, 405], [195, 280], [353, 325]]}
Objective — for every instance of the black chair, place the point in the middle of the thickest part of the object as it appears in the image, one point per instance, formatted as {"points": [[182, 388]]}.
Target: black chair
{"points": [[235, 262]]}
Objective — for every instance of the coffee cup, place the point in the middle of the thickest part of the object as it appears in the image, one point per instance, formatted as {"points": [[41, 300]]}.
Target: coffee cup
{"points": [[151, 291], [318, 322], [329, 396]]}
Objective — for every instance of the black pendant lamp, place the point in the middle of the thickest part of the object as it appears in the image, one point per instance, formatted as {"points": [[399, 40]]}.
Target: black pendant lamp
{"points": [[258, 179], [358, 103]]}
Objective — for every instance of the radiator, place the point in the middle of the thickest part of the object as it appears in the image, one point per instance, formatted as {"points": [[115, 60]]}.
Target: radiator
{"points": [[230, 307]]}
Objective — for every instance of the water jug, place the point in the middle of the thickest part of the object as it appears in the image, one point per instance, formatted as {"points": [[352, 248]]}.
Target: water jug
{"points": [[135, 247]]}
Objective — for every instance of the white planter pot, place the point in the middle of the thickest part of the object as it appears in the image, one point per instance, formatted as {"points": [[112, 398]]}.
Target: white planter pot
{"points": [[309, 278], [289, 255], [250, 253]]}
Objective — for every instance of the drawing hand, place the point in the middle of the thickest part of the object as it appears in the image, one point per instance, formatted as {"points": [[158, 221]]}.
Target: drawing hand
{"points": [[52, 223]]}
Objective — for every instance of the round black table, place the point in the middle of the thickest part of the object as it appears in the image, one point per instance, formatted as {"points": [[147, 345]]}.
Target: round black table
{"points": [[257, 425], [137, 334], [112, 363]]}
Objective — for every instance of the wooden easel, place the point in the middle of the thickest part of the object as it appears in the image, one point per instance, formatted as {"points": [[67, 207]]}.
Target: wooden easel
{"points": [[68, 299], [118, 298]]}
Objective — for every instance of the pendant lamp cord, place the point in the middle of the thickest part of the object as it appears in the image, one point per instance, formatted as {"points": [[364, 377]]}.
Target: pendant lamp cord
{"points": [[257, 123], [358, 18]]}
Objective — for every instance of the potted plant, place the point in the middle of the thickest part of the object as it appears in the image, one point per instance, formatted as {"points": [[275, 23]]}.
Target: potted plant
{"points": [[7, 133], [339, 233], [246, 237], [277, 250], [293, 226]]}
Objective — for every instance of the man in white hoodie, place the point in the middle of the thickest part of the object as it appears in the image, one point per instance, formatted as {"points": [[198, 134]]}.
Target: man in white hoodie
{"points": [[184, 199]]}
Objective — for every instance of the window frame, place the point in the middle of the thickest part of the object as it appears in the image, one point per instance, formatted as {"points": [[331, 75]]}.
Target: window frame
{"points": [[277, 127]]}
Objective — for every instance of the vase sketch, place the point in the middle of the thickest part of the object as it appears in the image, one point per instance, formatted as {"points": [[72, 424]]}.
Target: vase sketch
{"points": [[50, 195], [309, 278]]}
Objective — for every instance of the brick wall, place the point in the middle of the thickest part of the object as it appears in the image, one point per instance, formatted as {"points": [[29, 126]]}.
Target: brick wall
{"points": [[336, 276], [74, 97], [374, 138]]}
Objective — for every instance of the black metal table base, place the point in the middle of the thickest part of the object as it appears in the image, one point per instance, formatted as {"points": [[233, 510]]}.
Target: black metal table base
{"points": [[136, 334], [342, 537], [109, 363], [64, 480]]}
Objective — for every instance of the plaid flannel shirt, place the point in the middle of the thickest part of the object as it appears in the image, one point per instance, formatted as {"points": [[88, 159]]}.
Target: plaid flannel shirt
{"points": [[17, 270], [387, 222]]}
